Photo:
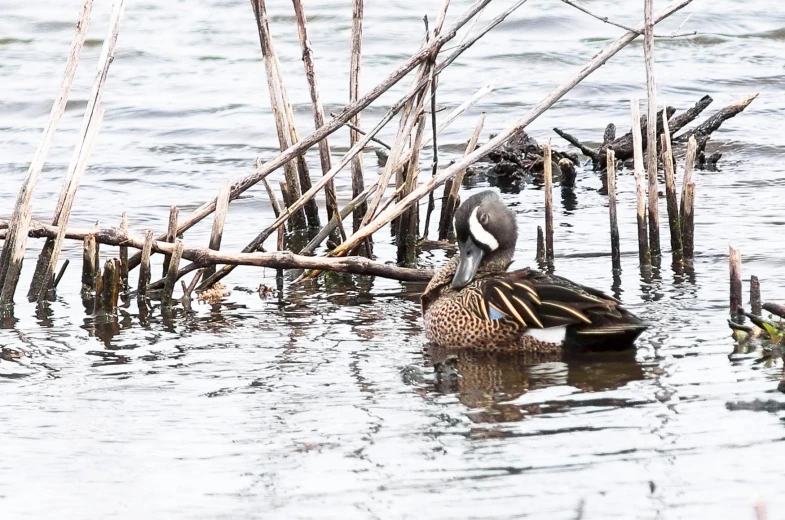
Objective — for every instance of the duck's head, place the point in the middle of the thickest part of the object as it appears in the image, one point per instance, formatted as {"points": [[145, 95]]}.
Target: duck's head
{"points": [[486, 232]]}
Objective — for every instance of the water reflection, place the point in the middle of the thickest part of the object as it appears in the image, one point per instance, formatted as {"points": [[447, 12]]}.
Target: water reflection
{"points": [[487, 381]]}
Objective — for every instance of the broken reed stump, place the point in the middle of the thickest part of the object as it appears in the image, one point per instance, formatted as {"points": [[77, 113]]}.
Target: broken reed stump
{"points": [[644, 255], [171, 276], [107, 289], [221, 209], [736, 308], [145, 273], [171, 235], [615, 251], [540, 257], [90, 254], [548, 204], [755, 300], [124, 254], [672, 202], [686, 209]]}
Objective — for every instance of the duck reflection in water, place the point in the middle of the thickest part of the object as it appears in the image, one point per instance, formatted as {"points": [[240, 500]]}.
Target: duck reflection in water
{"points": [[487, 381]]}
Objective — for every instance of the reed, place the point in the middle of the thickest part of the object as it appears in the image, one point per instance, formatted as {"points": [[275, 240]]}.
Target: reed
{"points": [[548, 204], [672, 202], [651, 139], [736, 309], [16, 239], [644, 253], [615, 250]]}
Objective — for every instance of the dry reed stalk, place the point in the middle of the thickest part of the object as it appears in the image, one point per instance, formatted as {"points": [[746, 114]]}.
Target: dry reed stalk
{"points": [[735, 284], [644, 255], [358, 180], [91, 123], [216, 235], [688, 221], [283, 124], [548, 203], [651, 130], [171, 276], [318, 111], [343, 117], [345, 212], [672, 202], [16, 237], [594, 63], [408, 224], [145, 270], [47, 260], [755, 300], [171, 235], [451, 199], [615, 250], [124, 253]]}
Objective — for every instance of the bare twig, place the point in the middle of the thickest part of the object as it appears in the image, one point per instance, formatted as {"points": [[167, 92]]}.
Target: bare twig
{"points": [[605, 19], [644, 255]]}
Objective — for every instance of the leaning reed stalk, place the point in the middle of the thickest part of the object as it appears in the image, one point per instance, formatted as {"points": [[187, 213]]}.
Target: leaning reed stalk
{"points": [[409, 222], [358, 180], [651, 131], [16, 238], [546, 157], [350, 110], [277, 104], [672, 202], [451, 199], [615, 251], [644, 255], [593, 64], [91, 123], [331, 201]]}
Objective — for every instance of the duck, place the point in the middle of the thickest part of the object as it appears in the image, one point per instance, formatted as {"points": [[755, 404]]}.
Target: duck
{"points": [[476, 302]]}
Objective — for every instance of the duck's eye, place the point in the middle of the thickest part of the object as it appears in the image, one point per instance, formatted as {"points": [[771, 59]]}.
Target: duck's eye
{"points": [[483, 219]]}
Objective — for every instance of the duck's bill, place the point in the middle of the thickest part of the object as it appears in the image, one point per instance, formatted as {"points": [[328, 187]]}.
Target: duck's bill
{"points": [[468, 262]]}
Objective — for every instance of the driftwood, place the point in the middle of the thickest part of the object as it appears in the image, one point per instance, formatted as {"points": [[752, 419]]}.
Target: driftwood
{"points": [[623, 146]]}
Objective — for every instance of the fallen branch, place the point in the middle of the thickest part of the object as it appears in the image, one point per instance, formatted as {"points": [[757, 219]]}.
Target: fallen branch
{"points": [[202, 256]]}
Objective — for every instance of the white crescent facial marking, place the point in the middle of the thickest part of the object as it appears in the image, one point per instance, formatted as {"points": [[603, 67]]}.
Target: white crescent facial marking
{"points": [[549, 335], [479, 233]]}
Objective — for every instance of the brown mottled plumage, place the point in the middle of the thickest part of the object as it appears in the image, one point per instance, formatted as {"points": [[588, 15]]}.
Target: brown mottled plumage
{"points": [[475, 302]]}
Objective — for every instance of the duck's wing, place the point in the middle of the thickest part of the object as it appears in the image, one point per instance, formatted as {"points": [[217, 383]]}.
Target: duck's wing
{"points": [[538, 300]]}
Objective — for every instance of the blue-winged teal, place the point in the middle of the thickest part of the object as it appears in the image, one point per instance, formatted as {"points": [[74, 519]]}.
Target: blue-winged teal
{"points": [[475, 302]]}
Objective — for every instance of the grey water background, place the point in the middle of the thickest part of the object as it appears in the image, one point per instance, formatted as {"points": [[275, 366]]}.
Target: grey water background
{"points": [[322, 402]]}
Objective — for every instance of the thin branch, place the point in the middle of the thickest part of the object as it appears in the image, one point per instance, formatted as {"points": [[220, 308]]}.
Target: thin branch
{"points": [[607, 20]]}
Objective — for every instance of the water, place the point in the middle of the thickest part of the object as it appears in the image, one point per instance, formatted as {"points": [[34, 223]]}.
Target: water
{"points": [[323, 402]]}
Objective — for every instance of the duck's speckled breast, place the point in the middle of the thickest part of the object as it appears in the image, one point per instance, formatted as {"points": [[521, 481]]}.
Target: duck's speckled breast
{"points": [[452, 322]]}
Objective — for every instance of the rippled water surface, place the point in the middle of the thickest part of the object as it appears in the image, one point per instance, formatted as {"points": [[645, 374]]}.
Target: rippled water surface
{"points": [[323, 402]]}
